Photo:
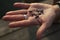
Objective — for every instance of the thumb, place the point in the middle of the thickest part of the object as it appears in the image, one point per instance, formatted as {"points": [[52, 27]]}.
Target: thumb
{"points": [[49, 18], [43, 27], [41, 30]]}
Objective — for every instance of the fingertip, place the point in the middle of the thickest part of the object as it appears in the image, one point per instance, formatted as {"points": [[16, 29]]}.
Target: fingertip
{"points": [[12, 25], [4, 17], [8, 13], [16, 4], [21, 5]]}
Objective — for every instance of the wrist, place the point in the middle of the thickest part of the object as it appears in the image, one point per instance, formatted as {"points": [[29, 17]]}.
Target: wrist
{"points": [[57, 11]]}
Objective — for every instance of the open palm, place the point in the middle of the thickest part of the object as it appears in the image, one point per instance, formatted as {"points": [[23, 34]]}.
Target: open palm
{"points": [[45, 19]]}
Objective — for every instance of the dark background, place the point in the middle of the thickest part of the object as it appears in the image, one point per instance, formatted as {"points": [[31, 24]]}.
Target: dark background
{"points": [[6, 5]]}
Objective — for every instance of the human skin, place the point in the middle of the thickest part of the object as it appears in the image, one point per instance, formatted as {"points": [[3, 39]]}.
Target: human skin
{"points": [[16, 18]]}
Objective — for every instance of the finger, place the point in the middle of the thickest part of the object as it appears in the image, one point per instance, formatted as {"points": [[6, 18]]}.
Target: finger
{"points": [[41, 5], [21, 5], [23, 23], [13, 17], [17, 12], [19, 24]]}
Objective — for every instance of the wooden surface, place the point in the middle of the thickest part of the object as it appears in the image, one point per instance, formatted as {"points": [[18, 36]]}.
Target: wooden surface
{"points": [[27, 33]]}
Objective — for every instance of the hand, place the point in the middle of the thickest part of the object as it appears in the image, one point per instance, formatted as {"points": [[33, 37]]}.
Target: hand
{"points": [[45, 20]]}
